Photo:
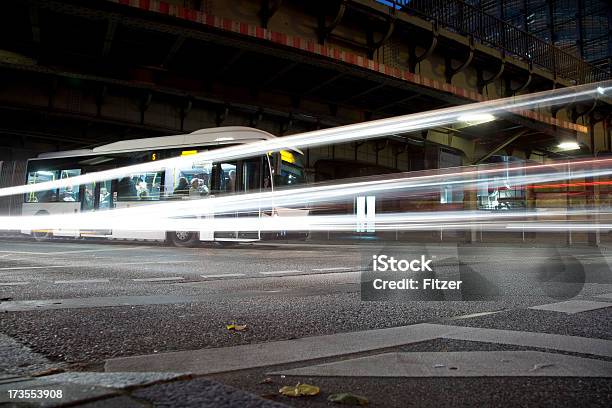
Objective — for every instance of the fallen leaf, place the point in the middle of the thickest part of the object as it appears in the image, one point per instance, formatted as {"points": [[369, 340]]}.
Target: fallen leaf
{"points": [[346, 398], [299, 390], [236, 327]]}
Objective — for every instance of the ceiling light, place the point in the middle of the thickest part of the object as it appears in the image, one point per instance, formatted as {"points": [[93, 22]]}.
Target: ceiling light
{"points": [[568, 146], [476, 118]]}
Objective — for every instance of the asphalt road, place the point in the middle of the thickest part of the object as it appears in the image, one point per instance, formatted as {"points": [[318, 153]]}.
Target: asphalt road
{"points": [[73, 305]]}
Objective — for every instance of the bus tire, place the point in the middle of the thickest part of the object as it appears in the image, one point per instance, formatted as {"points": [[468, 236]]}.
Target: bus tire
{"points": [[184, 238], [42, 235]]}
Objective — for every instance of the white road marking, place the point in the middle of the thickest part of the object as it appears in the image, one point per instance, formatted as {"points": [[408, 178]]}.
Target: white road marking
{"points": [[218, 360], [280, 272], [151, 262], [172, 278], [83, 281], [573, 306], [75, 251], [339, 268], [13, 283], [226, 275], [12, 268]]}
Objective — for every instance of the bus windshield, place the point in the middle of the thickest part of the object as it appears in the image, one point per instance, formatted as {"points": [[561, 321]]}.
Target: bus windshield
{"points": [[291, 169]]}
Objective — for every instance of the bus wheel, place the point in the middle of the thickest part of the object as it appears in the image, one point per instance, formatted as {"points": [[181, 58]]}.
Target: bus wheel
{"points": [[184, 238], [42, 235]]}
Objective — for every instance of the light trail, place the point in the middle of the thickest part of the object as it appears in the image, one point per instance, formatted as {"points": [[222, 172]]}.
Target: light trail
{"points": [[399, 186], [532, 219], [343, 134]]}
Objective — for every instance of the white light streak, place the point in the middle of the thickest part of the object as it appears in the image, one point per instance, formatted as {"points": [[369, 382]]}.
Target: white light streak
{"points": [[342, 134], [568, 146], [477, 118], [160, 217]]}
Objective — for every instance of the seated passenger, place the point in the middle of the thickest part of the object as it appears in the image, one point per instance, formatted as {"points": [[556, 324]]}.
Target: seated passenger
{"points": [[182, 188], [202, 187], [194, 190], [68, 194]]}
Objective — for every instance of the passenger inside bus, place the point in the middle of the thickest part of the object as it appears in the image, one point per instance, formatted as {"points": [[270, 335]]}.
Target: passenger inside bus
{"points": [[183, 187], [198, 188], [68, 194], [104, 198], [126, 189], [232, 181]]}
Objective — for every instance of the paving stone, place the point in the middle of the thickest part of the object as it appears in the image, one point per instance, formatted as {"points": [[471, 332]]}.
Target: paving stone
{"points": [[115, 402], [460, 364], [201, 393], [113, 380]]}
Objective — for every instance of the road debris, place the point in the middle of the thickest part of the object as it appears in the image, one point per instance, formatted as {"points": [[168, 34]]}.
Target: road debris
{"points": [[300, 390]]}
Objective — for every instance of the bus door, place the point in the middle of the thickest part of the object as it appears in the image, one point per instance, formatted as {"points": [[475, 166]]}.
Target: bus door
{"points": [[243, 176], [250, 181], [96, 196]]}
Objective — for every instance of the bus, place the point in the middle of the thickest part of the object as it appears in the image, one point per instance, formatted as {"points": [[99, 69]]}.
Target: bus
{"points": [[266, 172]]}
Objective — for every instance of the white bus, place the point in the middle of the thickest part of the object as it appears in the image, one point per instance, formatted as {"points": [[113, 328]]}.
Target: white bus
{"points": [[253, 174]]}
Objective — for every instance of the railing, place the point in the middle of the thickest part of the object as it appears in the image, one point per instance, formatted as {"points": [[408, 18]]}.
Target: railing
{"points": [[490, 30]]}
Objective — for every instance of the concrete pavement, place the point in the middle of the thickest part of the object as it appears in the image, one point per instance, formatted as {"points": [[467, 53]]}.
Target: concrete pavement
{"points": [[80, 306]]}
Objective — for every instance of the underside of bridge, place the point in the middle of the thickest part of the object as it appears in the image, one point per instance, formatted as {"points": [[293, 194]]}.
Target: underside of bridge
{"points": [[81, 74]]}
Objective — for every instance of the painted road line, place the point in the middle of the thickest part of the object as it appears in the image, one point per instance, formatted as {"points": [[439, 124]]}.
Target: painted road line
{"points": [[78, 251], [459, 364], [95, 302], [170, 278], [217, 360], [339, 268], [573, 344], [14, 283], [226, 275], [15, 268], [573, 306], [83, 281], [280, 272]]}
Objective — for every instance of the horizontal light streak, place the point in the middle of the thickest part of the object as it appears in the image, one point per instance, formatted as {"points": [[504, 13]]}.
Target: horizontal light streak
{"points": [[342, 134], [384, 221], [159, 215]]}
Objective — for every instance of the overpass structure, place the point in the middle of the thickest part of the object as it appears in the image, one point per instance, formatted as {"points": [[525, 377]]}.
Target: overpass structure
{"points": [[80, 74]]}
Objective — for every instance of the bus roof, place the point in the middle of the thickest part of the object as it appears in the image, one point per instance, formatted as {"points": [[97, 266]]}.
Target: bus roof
{"points": [[203, 137]]}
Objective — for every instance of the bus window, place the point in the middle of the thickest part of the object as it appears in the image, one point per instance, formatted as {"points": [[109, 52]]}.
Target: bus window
{"points": [[225, 178], [251, 175], [69, 193], [104, 197], [42, 176], [138, 187], [289, 168], [194, 181]]}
